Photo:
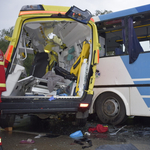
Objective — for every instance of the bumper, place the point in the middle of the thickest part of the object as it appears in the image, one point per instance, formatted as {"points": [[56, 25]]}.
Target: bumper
{"points": [[43, 105]]}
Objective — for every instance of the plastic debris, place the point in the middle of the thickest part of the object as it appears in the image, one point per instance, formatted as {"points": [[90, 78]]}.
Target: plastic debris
{"points": [[28, 141], [117, 130], [38, 136], [51, 98], [99, 128], [77, 135], [87, 134]]}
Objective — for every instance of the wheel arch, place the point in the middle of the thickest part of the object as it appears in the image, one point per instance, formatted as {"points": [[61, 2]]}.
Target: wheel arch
{"points": [[99, 93]]}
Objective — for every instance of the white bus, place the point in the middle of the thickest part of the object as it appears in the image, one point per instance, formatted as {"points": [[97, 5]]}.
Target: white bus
{"points": [[122, 85]]}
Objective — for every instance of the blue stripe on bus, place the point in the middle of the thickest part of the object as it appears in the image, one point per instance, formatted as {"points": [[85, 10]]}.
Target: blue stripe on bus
{"points": [[147, 101], [140, 68], [144, 90], [125, 12], [142, 82]]}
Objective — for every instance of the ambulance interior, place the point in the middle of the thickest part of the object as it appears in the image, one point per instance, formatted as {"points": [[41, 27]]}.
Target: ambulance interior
{"points": [[59, 54]]}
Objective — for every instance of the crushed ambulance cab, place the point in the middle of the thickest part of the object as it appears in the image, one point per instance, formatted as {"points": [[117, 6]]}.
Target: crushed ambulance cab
{"points": [[50, 63]]}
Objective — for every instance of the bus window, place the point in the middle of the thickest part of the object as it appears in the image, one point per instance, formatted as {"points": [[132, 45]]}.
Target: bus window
{"points": [[145, 45], [142, 29], [113, 41], [111, 38]]}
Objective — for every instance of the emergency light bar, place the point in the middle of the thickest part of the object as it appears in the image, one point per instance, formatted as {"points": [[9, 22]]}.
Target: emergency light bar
{"points": [[79, 15], [32, 7]]}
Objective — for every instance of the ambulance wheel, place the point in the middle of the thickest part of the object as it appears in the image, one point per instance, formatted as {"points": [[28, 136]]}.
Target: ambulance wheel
{"points": [[110, 109], [7, 121]]}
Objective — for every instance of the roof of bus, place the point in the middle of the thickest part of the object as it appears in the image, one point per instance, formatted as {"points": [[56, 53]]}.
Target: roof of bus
{"points": [[122, 13]]}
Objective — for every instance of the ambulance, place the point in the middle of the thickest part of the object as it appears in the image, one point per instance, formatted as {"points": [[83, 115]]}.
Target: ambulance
{"points": [[50, 64]]}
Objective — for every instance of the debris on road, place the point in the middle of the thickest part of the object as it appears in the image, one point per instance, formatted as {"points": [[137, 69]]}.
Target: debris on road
{"points": [[77, 135], [115, 133], [99, 128], [84, 139], [80, 138], [28, 141]]}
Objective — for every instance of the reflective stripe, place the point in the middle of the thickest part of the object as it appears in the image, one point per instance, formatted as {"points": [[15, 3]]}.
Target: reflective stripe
{"points": [[1, 63], [2, 85], [9, 53], [40, 12], [92, 19]]}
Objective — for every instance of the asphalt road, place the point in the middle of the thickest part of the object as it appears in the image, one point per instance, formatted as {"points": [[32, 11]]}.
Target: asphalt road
{"points": [[53, 134]]}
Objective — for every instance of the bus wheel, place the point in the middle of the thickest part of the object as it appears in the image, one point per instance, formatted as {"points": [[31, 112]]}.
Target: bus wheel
{"points": [[7, 121], [110, 109]]}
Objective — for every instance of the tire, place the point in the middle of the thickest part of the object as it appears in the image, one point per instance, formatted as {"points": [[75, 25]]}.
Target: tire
{"points": [[110, 109], [7, 121]]}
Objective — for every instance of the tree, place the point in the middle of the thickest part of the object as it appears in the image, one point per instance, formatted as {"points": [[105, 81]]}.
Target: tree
{"points": [[99, 12], [4, 43]]}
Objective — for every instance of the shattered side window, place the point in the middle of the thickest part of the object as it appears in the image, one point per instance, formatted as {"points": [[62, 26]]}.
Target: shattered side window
{"points": [[110, 37]]}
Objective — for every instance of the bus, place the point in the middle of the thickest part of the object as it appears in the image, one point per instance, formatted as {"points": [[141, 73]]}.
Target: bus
{"points": [[122, 84]]}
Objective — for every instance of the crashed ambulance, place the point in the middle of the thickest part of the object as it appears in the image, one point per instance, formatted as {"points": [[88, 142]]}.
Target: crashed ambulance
{"points": [[60, 47]]}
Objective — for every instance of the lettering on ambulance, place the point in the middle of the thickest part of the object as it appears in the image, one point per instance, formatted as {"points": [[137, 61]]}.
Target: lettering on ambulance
{"points": [[140, 74], [2, 74]]}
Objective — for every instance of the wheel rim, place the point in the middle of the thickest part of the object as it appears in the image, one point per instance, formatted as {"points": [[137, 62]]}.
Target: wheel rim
{"points": [[111, 107]]}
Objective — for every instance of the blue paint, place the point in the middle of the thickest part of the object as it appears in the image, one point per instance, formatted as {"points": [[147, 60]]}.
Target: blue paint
{"points": [[144, 90], [143, 8], [126, 12], [118, 14], [142, 82], [140, 68], [147, 101]]}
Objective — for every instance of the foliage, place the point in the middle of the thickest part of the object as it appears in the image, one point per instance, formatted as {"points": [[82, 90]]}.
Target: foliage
{"points": [[28, 63], [99, 12], [3, 43]]}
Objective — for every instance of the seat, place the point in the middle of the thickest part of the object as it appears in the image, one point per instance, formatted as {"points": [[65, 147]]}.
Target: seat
{"points": [[43, 63], [118, 51], [39, 65]]}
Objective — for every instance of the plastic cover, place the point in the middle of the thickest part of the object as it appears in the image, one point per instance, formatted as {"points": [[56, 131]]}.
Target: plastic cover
{"points": [[79, 15]]}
